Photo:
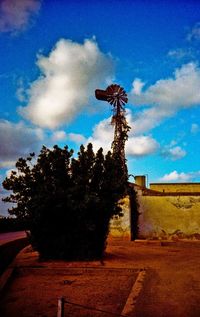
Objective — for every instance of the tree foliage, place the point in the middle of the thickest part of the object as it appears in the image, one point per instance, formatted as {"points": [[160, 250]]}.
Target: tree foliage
{"points": [[68, 202]]}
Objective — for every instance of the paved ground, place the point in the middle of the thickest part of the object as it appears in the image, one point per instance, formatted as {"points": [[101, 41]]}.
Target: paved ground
{"points": [[171, 287], [10, 236]]}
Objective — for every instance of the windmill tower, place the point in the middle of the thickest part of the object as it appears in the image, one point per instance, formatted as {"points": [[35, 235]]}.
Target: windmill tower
{"points": [[117, 97]]}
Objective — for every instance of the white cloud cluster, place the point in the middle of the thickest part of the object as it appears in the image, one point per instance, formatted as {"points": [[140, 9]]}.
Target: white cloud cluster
{"points": [[103, 134], [167, 96], [69, 76], [173, 152], [17, 140], [59, 136], [63, 136], [164, 99], [180, 177], [179, 53], [15, 14], [141, 145], [77, 138], [137, 86]]}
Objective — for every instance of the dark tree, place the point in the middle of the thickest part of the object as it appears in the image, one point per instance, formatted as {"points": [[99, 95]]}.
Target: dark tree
{"points": [[68, 202]]}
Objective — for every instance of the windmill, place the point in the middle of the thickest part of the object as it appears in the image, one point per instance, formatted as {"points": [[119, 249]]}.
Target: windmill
{"points": [[117, 97]]}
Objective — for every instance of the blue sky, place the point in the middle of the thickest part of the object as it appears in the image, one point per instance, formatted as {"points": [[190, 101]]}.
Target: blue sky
{"points": [[54, 54]]}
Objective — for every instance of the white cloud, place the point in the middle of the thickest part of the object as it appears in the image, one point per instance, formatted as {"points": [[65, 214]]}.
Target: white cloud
{"points": [[69, 77], [194, 34], [77, 138], [179, 53], [141, 146], [180, 177], [15, 14], [173, 153], [180, 91], [17, 140], [167, 96], [148, 119], [195, 128], [59, 136], [137, 86], [62, 135], [103, 134]]}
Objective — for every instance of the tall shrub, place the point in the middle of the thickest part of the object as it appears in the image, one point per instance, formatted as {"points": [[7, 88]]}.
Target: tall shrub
{"points": [[68, 202]]}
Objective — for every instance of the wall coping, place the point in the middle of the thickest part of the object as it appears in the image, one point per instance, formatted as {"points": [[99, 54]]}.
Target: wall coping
{"points": [[175, 183]]}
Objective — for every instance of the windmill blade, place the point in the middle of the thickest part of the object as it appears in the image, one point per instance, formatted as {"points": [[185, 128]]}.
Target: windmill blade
{"points": [[114, 94]]}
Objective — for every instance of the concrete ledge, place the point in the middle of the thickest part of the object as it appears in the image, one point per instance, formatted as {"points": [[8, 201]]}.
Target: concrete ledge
{"points": [[9, 250], [169, 243], [129, 307]]}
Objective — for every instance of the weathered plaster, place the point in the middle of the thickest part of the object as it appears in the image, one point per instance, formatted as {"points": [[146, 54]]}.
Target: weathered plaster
{"points": [[120, 227], [166, 216]]}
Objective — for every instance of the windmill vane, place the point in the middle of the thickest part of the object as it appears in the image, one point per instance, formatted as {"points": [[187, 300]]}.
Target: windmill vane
{"points": [[117, 97], [114, 94]]}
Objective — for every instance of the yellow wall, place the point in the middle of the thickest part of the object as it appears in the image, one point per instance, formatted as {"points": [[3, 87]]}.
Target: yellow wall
{"points": [[161, 217], [120, 226], [184, 187], [167, 216]]}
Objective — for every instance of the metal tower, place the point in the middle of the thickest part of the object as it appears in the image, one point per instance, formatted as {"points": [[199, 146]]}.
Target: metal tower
{"points": [[117, 97]]}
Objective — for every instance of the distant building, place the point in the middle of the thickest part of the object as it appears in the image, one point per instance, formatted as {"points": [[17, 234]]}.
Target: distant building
{"points": [[167, 211]]}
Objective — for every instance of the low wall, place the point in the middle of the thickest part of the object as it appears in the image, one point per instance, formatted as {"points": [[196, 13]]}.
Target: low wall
{"points": [[169, 216], [9, 250]]}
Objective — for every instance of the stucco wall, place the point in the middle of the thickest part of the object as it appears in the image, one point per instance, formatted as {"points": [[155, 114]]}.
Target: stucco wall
{"points": [[173, 187], [162, 216], [120, 226], [167, 216]]}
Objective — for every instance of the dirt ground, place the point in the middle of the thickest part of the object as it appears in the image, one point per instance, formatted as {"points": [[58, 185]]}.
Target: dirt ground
{"points": [[171, 286]]}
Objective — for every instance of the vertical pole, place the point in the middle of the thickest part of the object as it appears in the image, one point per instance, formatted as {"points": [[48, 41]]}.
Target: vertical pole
{"points": [[60, 312]]}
